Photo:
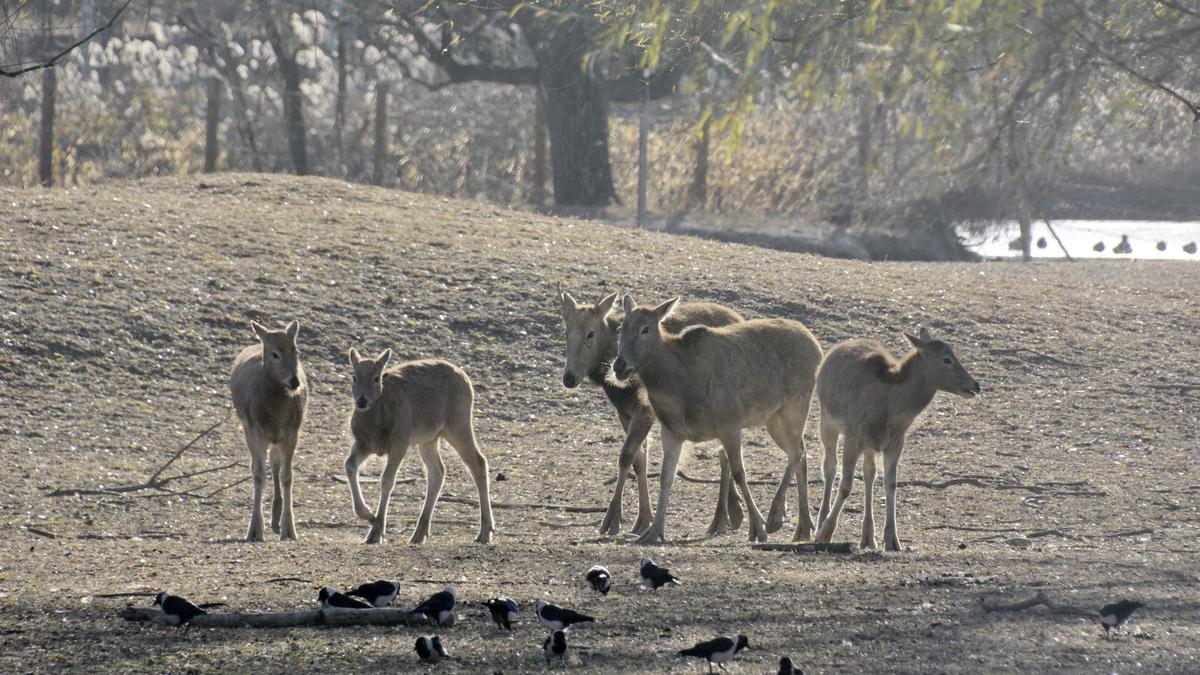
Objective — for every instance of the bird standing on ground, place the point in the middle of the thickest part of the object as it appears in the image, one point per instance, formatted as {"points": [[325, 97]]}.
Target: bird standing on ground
{"points": [[1189, 247], [1123, 247], [1099, 247], [504, 611], [439, 607], [718, 650], [599, 579], [177, 611], [654, 577], [1115, 614], [786, 667], [557, 618], [328, 597], [555, 645], [429, 649], [378, 593]]}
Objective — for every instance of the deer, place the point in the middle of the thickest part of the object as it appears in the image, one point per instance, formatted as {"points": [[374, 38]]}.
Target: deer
{"points": [[270, 396], [711, 383], [870, 399], [421, 403], [591, 347]]}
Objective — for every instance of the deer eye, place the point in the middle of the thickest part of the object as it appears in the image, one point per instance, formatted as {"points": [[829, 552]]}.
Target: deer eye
{"points": [[591, 334], [645, 330], [376, 378], [948, 361], [275, 355]]}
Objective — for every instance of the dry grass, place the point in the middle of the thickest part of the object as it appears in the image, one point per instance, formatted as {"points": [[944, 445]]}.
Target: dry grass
{"points": [[124, 304]]}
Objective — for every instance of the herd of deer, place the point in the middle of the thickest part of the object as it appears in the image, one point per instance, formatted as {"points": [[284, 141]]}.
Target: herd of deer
{"points": [[700, 369]]}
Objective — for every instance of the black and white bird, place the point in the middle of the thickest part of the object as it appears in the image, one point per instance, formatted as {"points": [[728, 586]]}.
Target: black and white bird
{"points": [[718, 650], [557, 618], [599, 579], [654, 577], [177, 611], [504, 611], [429, 649], [1115, 614], [328, 597], [555, 645], [439, 607], [786, 667], [379, 593]]}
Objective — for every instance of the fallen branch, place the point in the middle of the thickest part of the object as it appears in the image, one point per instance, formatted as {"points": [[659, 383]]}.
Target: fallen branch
{"points": [[1040, 599], [528, 505], [39, 532], [374, 479], [385, 616], [280, 580], [832, 547], [686, 478], [1130, 533]]}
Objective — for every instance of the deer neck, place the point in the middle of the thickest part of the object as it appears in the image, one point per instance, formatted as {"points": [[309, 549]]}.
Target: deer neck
{"points": [[914, 393], [599, 374]]}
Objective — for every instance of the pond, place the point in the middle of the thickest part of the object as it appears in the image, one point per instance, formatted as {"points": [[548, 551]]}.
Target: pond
{"points": [[1081, 236]]}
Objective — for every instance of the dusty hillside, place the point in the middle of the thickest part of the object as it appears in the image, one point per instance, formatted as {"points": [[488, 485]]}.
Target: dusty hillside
{"points": [[124, 304]]}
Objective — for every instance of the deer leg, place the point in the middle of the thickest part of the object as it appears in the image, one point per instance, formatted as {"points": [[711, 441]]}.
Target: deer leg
{"points": [[868, 523], [462, 438], [353, 461], [672, 445], [733, 447], [829, 439], [281, 463], [851, 449], [733, 505], [777, 427], [891, 463], [277, 500], [632, 454], [721, 520], [435, 476], [387, 481], [258, 446]]}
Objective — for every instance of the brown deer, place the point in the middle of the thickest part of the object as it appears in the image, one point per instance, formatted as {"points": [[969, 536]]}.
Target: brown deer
{"points": [[591, 348], [710, 383], [418, 402], [270, 395], [871, 399]]}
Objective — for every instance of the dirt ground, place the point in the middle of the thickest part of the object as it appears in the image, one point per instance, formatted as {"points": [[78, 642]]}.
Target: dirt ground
{"points": [[123, 305]]}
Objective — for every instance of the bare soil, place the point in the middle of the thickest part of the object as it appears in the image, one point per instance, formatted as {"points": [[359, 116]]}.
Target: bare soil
{"points": [[123, 305]]}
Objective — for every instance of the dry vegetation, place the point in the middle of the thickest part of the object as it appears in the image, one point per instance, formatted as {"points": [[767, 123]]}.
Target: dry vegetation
{"points": [[123, 305]]}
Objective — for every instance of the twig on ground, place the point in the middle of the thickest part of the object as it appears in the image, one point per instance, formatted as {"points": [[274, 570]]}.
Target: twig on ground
{"points": [[387, 616], [280, 580], [39, 532], [375, 479], [1040, 599], [223, 488], [1013, 351], [810, 547], [528, 505], [127, 594]]}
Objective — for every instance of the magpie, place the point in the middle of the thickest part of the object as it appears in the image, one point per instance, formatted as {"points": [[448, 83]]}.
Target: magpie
{"points": [[331, 598], [599, 578], [429, 649], [555, 645], [557, 618], [1114, 614], [654, 576], [439, 607], [718, 650], [504, 611], [378, 593], [177, 611], [786, 667]]}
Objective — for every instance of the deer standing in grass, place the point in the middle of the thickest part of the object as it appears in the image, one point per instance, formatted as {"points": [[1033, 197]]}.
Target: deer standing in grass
{"points": [[270, 395], [591, 347], [871, 399], [710, 383], [418, 402]]}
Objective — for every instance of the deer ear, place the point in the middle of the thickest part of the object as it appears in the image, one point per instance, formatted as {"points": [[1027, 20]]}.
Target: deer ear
{"points": [[260, 331], [627, 303], [914, 340], [293, 329], [605, 306], [354, 356], [568, 304], [664, 310], [925, 336], [381, 361]]}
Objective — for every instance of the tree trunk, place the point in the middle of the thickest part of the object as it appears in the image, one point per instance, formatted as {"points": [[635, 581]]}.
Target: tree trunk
{"points": [[339, 109], [698, 189], [46, 137], [381, 101], [293, 101], [212, 118], [537, 193], [576, 111], [643, 152]]}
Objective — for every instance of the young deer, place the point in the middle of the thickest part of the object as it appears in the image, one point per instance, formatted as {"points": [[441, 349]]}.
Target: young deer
{"points": [[710, 383], [270, 395], [870, 399], [418, 402], [591, 348]]}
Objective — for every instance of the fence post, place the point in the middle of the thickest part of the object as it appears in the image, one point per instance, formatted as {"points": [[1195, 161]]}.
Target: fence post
{"points": [[643, 139], [46, 137], [212, 119], [381, 96]]}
